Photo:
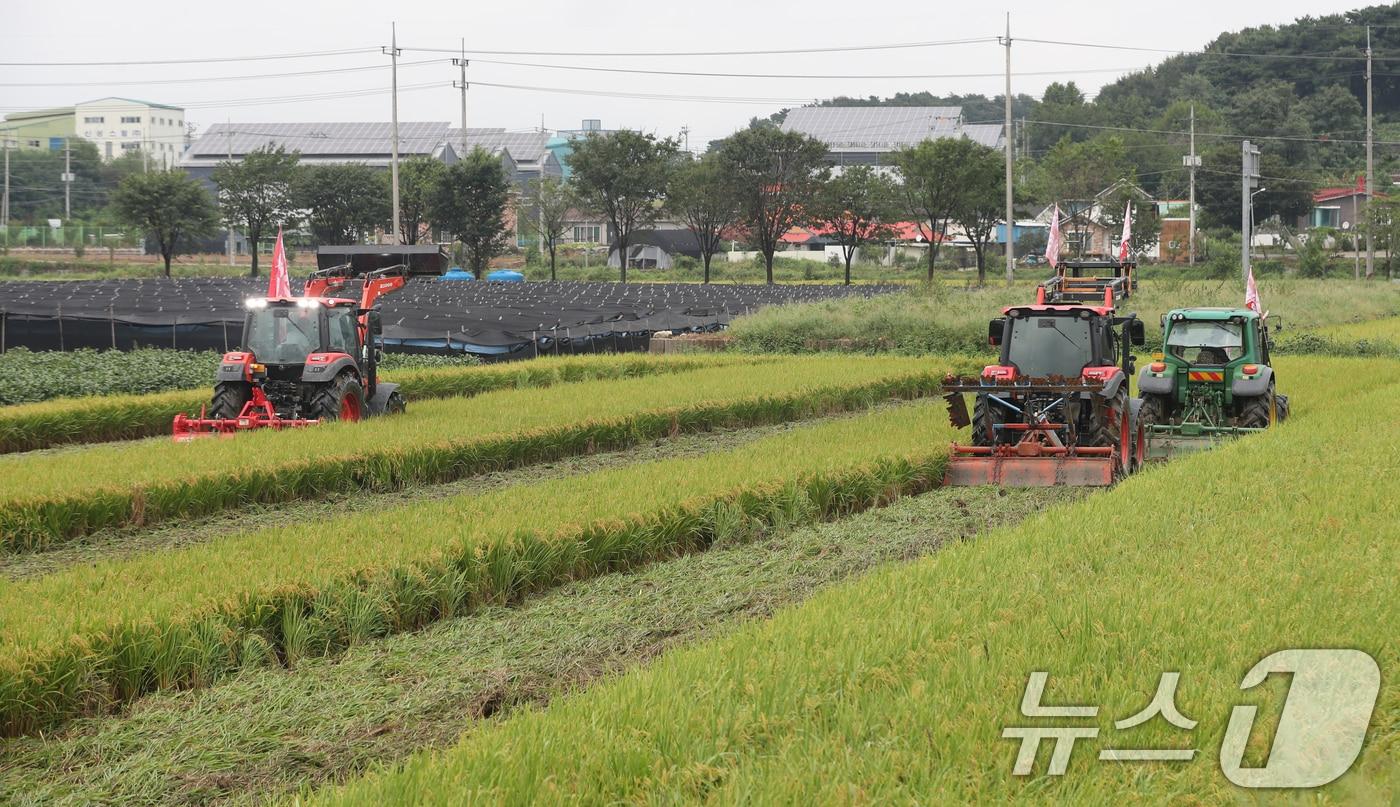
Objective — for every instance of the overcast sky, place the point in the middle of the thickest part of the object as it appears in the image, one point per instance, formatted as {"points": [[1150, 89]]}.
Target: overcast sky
{"points": [[90, 31]]}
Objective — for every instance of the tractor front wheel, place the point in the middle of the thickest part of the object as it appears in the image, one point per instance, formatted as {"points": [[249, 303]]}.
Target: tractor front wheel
{"points": [[341, 399], [229, 399], [395, 405]]}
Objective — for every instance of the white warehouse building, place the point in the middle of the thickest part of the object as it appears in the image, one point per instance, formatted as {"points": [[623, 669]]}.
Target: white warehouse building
{"points": [[121, 126]]}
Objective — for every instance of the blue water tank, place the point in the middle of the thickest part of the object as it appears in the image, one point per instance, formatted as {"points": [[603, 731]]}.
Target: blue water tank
{"points": [[457, 273], [507, 275]]}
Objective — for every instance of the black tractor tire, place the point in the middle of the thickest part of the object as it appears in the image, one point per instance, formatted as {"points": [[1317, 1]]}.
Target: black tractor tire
{"points": [[396, 405], [984, 415], [1155, 409], [229, 398], [341, 399], [1138, 429], [1281, 406], [1258, 412], [1107, 430]]}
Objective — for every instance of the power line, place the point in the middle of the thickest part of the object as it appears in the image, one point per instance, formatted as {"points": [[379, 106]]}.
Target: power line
{"points": [[642, 96], [642, 54], [212, 79], [207, 60], [788, 75], [1222, 135], [1232, 54]]}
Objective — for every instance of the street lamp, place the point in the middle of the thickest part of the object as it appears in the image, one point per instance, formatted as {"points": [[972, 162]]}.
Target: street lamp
{"points": [[1251, 219]]}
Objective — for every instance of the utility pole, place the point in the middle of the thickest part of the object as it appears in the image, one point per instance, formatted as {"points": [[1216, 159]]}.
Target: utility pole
{"points": [[5, 200], [1249, 173], [462, 85], [1370, 165], [228, 134], [67, 180], [1006, 137], [393, 52], [1192, 163]]}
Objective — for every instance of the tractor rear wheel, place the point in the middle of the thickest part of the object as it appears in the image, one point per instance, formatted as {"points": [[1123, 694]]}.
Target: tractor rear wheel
{"points": [[1114, 427], [1154, 410], [1258, 412], [341, 399], [1108, 429], [983, 421], [229, 398]]}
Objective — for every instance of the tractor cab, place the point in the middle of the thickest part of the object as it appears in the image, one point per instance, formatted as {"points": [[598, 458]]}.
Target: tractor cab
{"points": [[1055, 408], [285, 332], [1212, 379]]}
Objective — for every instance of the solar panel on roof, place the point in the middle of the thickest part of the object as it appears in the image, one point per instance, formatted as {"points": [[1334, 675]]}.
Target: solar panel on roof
{"points": [[875, 127]]}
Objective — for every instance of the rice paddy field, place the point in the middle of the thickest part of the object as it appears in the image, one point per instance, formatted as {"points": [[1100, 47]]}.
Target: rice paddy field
{"points": [[658, 579]]}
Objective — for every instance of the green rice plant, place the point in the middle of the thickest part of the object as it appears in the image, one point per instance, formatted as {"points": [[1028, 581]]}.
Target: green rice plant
{"points": [[895, 687], [947, 320], [67, 421], [47, 499], [90, 637]]}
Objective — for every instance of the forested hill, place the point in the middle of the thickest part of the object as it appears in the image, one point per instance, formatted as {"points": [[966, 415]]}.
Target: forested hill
{"points": [[1296, 89]]}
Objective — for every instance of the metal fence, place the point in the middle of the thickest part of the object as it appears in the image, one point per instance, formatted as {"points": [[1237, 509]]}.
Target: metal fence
{"points": [[42, 236]]}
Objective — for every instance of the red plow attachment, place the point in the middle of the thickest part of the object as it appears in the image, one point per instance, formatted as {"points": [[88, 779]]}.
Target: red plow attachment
{"points": [[1031, 453], [258, 413]]}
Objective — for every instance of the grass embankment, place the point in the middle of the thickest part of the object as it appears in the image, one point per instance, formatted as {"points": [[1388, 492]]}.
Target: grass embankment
{"points": [[938, 319], [89, 637], [29, 427], [50, 498], [267, 732], [896, 687]]}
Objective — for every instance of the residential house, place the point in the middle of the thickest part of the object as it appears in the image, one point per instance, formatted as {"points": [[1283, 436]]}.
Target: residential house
{"points": [[1339, 208], [1085, 230], [869, 135]]}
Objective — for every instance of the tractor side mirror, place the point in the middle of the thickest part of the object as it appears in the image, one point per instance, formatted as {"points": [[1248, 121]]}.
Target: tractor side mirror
{"points": [[995, 328], [1276, 322], [1137, 332]]}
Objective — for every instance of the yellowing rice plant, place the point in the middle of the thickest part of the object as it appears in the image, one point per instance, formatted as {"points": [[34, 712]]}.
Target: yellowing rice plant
{"points": [[48, 498], [27, 427], [89, 637], [895, 688]]}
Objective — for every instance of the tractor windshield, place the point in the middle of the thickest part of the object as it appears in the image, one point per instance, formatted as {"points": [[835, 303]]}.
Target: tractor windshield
{"points": [[1206, 341], [1050, 345], [283, 334]]}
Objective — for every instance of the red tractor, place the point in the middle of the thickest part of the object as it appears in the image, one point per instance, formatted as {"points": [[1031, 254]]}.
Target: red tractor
{"points": [[1055, 409], [304, 359]]}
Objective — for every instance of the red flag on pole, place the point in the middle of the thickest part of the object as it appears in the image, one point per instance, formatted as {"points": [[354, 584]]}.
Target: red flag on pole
{"points": [[1127, 233], [1052, 244], [277, 283], [1251, 293]]}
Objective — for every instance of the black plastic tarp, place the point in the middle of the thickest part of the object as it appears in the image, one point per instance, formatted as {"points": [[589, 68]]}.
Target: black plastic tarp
{"points": [[479, 317]]}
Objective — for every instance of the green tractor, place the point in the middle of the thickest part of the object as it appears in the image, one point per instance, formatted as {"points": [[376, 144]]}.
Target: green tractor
{"points": [[1211, 381]]}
